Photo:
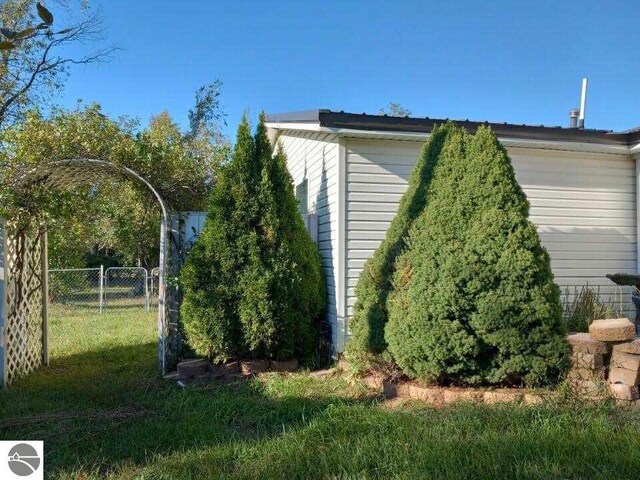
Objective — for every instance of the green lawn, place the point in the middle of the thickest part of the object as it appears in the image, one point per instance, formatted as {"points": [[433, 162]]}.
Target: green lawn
{"points": [[103, 412]]}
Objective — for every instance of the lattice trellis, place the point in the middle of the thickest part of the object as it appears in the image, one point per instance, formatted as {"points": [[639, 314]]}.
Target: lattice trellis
{"points": [[24, 328], [22, 342]]}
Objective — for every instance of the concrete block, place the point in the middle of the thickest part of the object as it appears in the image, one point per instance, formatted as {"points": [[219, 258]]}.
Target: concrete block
{"points": [[588, 388], [172, 376], [253, 367], [622, 375], [589, 361], [533, 398], [284, 365], [192, 367], [628, 347], [389, 388], [586, 374], [454, 395], [223, 369], [431, 395], [612, 330], [583, 343], [627, 361], [374, 382], [502, 396], [621, 391]]}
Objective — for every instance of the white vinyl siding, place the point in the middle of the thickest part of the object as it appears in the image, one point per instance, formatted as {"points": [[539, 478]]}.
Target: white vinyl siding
{"points": [[582, 203], [314, 157]]}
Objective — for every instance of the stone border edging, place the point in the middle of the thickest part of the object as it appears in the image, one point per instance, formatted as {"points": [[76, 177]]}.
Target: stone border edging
{"points": [[439, 396], [202, 368]]}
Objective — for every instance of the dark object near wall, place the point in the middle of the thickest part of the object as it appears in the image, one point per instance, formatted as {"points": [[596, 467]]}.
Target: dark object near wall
{"points": [[634, 281], [624, 279]]}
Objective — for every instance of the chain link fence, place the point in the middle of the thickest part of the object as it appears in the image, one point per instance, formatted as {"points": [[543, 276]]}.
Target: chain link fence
{"points": [[126, 287], [75, 289], [100, 289]]}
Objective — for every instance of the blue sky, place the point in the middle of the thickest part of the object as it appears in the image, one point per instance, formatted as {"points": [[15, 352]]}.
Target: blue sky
{"points": [[519, 62]]}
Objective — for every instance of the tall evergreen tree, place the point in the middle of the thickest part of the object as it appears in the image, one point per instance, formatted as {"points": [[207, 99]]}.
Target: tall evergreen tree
{"points": [[213, 267], [473, 297], [255, 268], [370, 311], [284, 287]]}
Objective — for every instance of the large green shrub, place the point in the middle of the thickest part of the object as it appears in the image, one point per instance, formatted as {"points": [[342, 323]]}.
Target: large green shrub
{"points": [[210, 276], [370, 311], [473, 297], [253, 282]]}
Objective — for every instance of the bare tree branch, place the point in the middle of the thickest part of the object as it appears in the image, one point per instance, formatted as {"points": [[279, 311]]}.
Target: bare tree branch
{"points": [[33, 70]]}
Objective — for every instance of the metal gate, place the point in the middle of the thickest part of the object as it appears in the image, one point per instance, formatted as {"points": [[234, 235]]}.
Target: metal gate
{"points": [[126, 287]]}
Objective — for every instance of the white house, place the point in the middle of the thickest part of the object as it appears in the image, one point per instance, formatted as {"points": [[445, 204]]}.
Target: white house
{"points": [[351, 170]]}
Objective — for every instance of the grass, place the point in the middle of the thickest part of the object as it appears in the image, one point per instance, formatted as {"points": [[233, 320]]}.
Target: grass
{"points": [[103, 412]]}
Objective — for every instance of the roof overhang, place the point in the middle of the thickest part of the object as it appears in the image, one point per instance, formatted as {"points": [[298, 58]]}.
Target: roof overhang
{"points": [[417, 129]]}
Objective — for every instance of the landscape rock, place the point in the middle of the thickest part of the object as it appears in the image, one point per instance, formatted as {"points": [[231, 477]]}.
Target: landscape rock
{"points": [[284, 365], [632, 347], [612, 330], [621, 391], [253, 367], [502, 396], [583, 343], [192, 367], [622, 375], [627, 361]]}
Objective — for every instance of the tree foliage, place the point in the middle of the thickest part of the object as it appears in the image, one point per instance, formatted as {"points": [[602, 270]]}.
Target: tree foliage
{"points": [[107, 215], [473, 299], [253, 282], [395, 110]]}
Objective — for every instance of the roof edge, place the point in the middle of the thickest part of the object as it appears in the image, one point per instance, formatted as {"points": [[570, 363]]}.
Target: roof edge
{"points": [[384, 123]]}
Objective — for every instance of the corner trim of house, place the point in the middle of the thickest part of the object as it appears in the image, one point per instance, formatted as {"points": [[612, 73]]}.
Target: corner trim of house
{"points": [[341, 279], [636, 158]]}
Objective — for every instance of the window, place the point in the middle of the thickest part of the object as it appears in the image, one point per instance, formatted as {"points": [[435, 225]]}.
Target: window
{"points": [[302, 196]]}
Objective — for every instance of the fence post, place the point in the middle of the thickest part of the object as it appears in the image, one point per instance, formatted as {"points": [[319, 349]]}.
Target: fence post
{"points": [[146, 290], [101, 290]]}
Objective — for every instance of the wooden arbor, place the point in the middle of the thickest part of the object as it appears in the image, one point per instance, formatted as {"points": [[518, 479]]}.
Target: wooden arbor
{"points": [[24, 270]]}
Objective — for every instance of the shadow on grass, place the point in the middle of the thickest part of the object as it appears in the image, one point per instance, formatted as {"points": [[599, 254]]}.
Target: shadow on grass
{"points": [[105, 408], [106, 413]]}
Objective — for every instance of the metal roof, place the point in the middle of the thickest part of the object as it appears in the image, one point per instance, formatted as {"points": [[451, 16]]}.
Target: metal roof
{"points": [[363, 121]]}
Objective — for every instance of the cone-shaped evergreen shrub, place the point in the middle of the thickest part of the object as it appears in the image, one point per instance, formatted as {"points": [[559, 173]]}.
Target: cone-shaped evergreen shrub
{"points": [[209, 310], [283, 286], [473, 297], [374, 284], [253, 283]]}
